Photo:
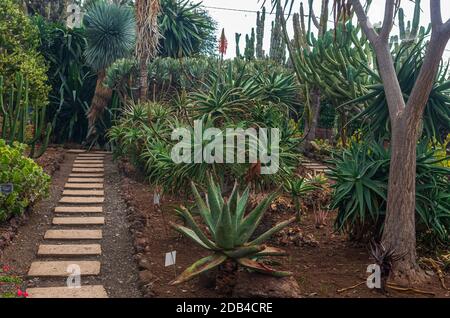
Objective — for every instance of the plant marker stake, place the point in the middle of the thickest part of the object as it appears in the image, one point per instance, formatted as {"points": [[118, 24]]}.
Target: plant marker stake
{"points": [[171, 256]]}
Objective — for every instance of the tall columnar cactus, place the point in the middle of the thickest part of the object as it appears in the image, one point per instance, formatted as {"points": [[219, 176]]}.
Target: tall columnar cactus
{"points": [[260, 24], [17, 115], [410, 31], [237, 37], [250, 46], [277, 45]]}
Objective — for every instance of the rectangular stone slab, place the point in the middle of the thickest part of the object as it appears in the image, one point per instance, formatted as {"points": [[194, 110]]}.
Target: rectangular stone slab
{"points": [[84, 159], [91, 154], [87, 170], [76, 151], [78, 220], [88, 165], [79, 209], [95, 291], [59, 268], [82, 200], [73, 235], [86, 175], [88, 161], [91, 193], [69, 250], [83, 186]]}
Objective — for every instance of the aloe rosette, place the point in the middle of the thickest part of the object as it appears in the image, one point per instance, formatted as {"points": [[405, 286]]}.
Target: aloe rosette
{"points": [[230, 230]]}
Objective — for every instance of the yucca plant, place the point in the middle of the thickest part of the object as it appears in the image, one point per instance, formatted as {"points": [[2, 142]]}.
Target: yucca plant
{"points": [[230, 231], [110, 32]]}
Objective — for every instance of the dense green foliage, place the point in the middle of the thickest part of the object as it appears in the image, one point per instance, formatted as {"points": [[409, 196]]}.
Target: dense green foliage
{"points": [[436, 119], [19, 121], [360, 192], [186, 29], [19, 40], [110, 32], [29, 180], [231, 231], [72, 80], [230, 96]]}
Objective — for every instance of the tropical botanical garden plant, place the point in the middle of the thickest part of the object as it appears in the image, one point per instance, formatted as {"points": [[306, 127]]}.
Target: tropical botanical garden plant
{"points": [[20, 121], [186, 29], [29, 181], [110, 32], [360, 192], [298, 188], [230, 232]]}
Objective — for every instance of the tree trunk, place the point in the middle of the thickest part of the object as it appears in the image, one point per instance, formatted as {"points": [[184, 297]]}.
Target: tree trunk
{"points": [[143, 81], [311, 126], [400, 227], [102, 98]]}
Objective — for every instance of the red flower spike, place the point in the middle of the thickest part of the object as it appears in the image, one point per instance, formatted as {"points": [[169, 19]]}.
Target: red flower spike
{"points": [[223, 44]]}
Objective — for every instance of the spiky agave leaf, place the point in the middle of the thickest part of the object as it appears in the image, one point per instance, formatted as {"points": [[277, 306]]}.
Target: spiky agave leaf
{"points": [[191, 234], [202, 265], [261, 268], [191, 222], [110, 32], [203, 209], [246, 251], [225, 232], [271, 251]]}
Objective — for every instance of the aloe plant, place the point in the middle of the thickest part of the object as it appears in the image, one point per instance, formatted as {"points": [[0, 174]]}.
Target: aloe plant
{"points": [[230, 232], [298, 188]]}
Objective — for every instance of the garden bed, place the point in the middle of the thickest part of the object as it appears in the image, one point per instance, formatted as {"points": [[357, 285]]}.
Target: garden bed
{"points": [[322, 261], [50, 162]]}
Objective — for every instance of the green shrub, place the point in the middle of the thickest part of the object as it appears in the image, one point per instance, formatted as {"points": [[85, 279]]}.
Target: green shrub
{"points": [[18, 52], [29, 180], [360, 192]]}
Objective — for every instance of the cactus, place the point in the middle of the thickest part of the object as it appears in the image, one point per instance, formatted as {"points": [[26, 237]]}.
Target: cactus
{"points": [[15, 113], [250, 46], [260, 24], [277, 45], [237, 37], [410, 31]]}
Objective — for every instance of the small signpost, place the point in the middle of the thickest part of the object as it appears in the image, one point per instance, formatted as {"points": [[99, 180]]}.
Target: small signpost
{"points": [[6, 188]]}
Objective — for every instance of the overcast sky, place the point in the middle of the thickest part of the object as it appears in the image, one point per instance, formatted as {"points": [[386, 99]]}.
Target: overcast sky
{"points": [[226, 14]]}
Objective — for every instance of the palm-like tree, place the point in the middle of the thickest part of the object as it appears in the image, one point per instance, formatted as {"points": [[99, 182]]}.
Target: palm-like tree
{"points": [[110, 32], [147, 39]]}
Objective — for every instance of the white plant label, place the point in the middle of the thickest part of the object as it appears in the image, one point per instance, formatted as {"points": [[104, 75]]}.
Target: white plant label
{"points": [[74, 279], [171, 258], [74, 18], [156, 198]]}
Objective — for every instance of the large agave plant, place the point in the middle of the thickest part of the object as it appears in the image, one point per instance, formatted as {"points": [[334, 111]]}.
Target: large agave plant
{"points": [[230, 232]]}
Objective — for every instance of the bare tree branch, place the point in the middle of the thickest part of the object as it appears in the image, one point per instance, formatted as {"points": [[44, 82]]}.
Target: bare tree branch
{"points": [[424, 83], [394, 97], [364, 22], [436, 16], [388, 21]]}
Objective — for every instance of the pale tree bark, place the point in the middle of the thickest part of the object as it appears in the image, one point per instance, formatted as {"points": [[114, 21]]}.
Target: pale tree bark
{"points": [[147, 40], [399, 229]]}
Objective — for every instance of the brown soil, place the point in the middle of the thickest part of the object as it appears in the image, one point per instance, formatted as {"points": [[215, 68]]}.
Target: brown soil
{"points": [[322, 261]]}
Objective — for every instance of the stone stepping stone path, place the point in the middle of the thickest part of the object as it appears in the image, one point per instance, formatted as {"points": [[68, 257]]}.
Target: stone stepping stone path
{"points": [[316, 168], [78, 219]]}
